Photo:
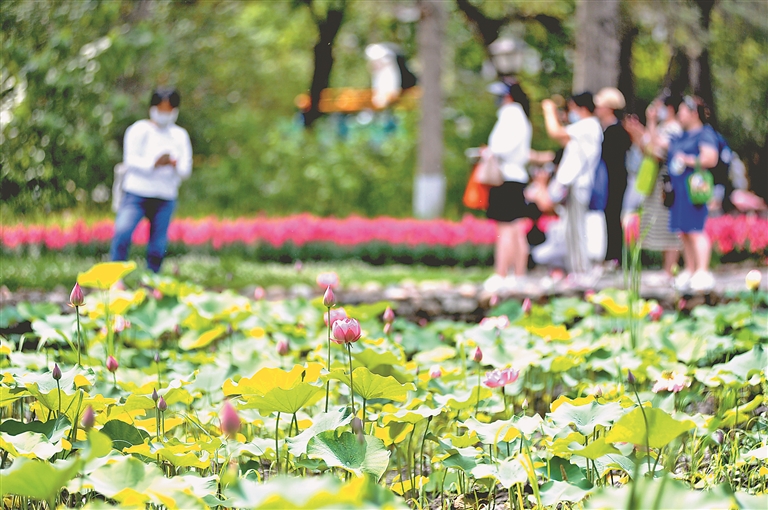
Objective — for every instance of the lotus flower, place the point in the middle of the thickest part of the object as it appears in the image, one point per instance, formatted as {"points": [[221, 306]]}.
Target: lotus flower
{"points": [[112, 364], [162, 405], [259, 293], [346, 331], [329, 279], [336, 314], [500, 322], [328, 298], [435, 372], [389, 315], [76, 297], [56, 372], [230, 421], [632, 230], [672, 382], [498, 378], [477, 356], [282, 347], [656, 312], [89, 418], [753, 280], [527, 306], [388, 328]]}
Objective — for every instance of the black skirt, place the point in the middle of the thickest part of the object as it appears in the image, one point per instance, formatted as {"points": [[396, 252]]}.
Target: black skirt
{"points": [[507, 203]]}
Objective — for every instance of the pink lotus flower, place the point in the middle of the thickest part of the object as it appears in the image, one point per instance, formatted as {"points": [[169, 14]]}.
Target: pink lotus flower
{"points": [[632, 230], [477, 356], [329, 279], [88, 419], [388, 328], [112, 364], [389, 315], [435, 372], [329, 299], [336, 314], [230, 421], [346, 331], [76, 297], [282, 347], [672, 382], [259, 293], [121, 324], [498, 378], [656, 312], [527, 306], [500, 322]]}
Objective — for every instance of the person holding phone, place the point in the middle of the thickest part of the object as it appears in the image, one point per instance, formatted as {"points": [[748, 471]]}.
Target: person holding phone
{"points": [[157, 155]]}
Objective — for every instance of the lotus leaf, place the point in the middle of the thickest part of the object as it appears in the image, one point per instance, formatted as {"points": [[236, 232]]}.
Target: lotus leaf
{"points": [[662, 428], [554, 492], [331, 420], [268, 378], [463, 399], [35, 479], [586, 417], [370, 386], [506, 472], [345, 451], [400, 487], [411, 415], [123, 435], [104, 275], [284, 401], [593, 450]]}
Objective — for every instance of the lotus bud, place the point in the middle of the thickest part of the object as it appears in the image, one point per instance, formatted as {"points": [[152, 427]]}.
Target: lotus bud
{"points": [[156, 357], [259, 293], [681, 305], [389, 315], [346, 331], [527, 306], [89, 418], [328, 298], [230, 421], [282, 347], [494, 300], [423, 322], [753, 280], [630, 377], [76, 297], [157, 294], [477, 356], [56, 373], [525, 404], [589, 294], [632, 230], [656, 312], [388, 328], [112, 364], [599, 392], [155, 396], [161, 405], [435, 372], [357, 428]]}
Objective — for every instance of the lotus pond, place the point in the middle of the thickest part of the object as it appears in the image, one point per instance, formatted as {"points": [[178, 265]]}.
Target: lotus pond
{"points": [[170, 396]]}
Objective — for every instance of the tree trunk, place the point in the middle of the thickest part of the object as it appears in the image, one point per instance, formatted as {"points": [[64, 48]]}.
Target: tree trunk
{"points": [[700, 70], [626, 82], [328, 28], [429, 186], [598, 45]]}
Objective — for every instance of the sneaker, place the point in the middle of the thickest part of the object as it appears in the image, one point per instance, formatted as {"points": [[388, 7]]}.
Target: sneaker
{"points": [[702, 281], [494, 283], [683, 281]]}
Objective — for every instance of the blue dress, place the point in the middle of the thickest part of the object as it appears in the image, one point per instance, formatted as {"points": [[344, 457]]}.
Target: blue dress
{"points": [[683, 215]]}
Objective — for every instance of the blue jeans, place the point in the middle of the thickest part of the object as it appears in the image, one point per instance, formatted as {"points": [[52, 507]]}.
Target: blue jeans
{"points": [[132, 209]]}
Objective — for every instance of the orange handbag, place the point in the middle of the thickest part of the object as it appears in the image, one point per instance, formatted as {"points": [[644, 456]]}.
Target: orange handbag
{"points": [[476, 194]]}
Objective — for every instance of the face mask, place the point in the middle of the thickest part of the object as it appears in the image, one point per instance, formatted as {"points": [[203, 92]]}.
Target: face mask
{"points": [[573, 117], [661, 114], [163, 119]]}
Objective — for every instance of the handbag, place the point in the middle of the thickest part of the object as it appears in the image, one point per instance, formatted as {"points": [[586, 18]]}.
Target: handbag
{"points": [[598, 199], [667, 192], [489, 170], [700, 185], [476, 193], [646, 175]]}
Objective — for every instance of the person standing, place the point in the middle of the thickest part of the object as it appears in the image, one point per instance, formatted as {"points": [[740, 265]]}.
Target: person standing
{"points": [[157, 155], [616, 143], [510, 142], [697, 146]]}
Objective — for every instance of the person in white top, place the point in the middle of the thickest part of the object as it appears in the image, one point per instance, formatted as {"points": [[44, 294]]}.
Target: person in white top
{"points": [[157, 155], [510, 142], [568, 192]]}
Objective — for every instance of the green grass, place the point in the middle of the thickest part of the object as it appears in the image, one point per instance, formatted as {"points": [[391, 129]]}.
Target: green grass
{"points": [[49, 270]]}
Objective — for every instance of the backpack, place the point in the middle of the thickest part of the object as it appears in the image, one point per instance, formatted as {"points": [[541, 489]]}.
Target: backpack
{"points": [[598, 200]]}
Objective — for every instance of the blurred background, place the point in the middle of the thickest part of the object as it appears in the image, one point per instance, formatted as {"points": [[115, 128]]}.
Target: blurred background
{"points": [[76, 74]]}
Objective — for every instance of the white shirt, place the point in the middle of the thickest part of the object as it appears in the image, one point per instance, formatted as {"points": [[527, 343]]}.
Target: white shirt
{"points": [[145, 142], [510, 141], [580, 158]]}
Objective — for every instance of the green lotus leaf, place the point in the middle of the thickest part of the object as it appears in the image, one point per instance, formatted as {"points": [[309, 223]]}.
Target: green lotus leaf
{"points": [[123, 435], [32, 311], [217, 306], [662, 428], [10, 395], [758, 453], [104, 275], [666, 493], [463, 399], [746, 364], [593, 450], [52, 429], [411, 415], [373, 358], [369, 385], [284, 400], [507, 472], [586, 417], [461, 462], [554, 492], [35, 479], [345, 451], [331, 420], [99, 445], [199, 339], [30, 444]]}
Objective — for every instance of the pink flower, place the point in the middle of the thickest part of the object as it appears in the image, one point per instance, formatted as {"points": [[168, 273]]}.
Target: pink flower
{"points": [[435, 372], [76, 297], [632, 230], [259, 293], [389, 315], [527, 306], [112, 364], [230, 421], [672, 382], [336, 314], [56, 372], [328, 298], [283, 347], [477, 356], [656, 312], [121, 324], [89, 418], [498, 378], [329, 279], [162, 405], [157, 294], [346, 331], [388, 328]]}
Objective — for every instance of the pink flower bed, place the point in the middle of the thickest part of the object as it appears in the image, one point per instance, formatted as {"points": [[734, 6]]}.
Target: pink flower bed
{"points": [[727, 232]]}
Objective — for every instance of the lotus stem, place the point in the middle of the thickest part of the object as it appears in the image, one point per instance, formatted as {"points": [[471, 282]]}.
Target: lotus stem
{"points": [[79, 336], [351, 386], [277, 448], [423, 440], [328, 366]]}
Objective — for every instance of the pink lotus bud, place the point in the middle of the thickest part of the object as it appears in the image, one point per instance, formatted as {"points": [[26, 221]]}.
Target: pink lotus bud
{"points": [[121, 324], [76, 297], [389, 315], [357, 428], [753, 280], [282, 347], [259, 293], [589, 294], [388, 328], [336, 314], [632, 230], [681, 305], [161, 405], [656, 312], [527, 306], [155, 396], [156, 357], [599, 392], [329, 279], [157, 294], [230, 421], [328, 298], [477, 356], [345, 331], [435, 372], [525, 404], [630, 377], [423, 322], [89, 418], [56, 372], [494, 300], [112, 364]]}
